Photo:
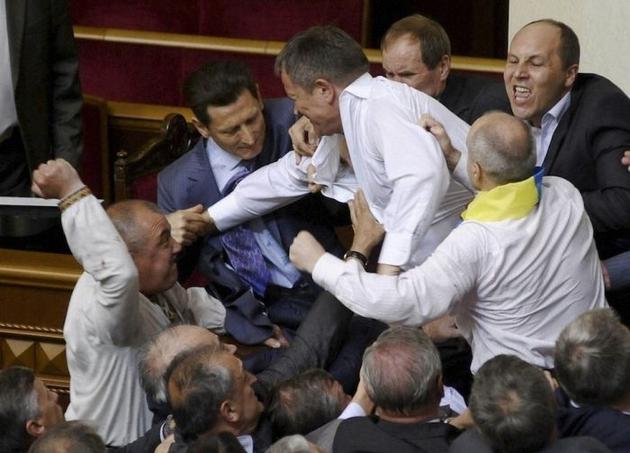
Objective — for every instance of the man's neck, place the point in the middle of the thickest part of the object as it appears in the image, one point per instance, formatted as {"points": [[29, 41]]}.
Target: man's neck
{"points": [[420, 416]]}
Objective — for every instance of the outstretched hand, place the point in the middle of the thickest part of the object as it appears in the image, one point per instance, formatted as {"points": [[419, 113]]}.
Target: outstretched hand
{"points": [[189, 224], [367, 231], [305, 251], [437, 130], [55, 179]]}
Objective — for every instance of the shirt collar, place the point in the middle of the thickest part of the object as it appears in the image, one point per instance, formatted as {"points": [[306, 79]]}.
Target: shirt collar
{"points": [[219, 157], [557, 110], [360, 87], [247, 442]]}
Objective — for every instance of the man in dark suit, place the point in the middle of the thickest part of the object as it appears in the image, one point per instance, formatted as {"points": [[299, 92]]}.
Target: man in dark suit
{"points": [[581, 123], [408, 406], [592, 358], [240, 134], [513, 407], [417, 51], [40, 95]]}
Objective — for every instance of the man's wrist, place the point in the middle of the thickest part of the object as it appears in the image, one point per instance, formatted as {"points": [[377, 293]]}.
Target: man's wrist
{"points": [[356, 255]]}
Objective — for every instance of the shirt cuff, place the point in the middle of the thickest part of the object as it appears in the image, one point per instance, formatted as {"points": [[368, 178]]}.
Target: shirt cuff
{"points": [[226, 213], [326, 271], [396, 248], [352, 410]]}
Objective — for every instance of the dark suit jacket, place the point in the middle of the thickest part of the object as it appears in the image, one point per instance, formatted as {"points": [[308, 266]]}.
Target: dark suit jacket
{"points": [[190, 180], [371, 434], [586, 149], [471, 442], [45, 74], [609, 426], [469, 96]]}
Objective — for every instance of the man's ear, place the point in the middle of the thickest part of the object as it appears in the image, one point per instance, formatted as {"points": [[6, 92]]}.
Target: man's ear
{"points": [[571, 75], [34, 429], [228, 412], [445, 67], [201, 128], [325, 90], [476, 175]]}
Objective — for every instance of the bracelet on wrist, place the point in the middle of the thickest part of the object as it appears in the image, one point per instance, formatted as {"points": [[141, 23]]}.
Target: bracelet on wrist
{"points": [[357, 255], [75, 196]]}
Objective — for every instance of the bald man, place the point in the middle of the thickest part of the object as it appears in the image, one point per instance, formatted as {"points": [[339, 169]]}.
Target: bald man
{"points": [[511, 291]]}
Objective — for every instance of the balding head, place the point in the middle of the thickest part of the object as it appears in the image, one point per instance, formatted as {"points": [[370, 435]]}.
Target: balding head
{"points": [[127, 218], [157, 354], [503, 147], [147, 234]]}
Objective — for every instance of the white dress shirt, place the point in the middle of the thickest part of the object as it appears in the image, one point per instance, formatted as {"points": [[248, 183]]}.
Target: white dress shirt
{"points": [[513, 285], [548, 125], [226, 166], [398, 165]]}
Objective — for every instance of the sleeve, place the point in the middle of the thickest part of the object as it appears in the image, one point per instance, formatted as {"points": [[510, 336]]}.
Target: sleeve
{"points": [[66, 90], [165, 192], [208, 311], [267, 189], [417, 173], [609, 206], [414, 297], [97, 246]]}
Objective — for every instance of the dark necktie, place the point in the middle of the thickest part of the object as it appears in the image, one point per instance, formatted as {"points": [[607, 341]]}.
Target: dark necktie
{"points": [[243, 251]]}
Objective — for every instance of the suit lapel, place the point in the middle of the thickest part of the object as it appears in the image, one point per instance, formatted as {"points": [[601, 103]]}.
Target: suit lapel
{"points": [[16, 13], [204, 190], [561, 131]]}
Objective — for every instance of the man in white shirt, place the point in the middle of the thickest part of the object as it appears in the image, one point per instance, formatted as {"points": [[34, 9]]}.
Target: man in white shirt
{"points": [[397, 164], [520, 267], [127, 293]]}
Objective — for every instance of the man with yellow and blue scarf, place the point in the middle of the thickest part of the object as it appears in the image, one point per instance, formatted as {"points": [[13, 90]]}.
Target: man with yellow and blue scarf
{"points": [[519, 268]]}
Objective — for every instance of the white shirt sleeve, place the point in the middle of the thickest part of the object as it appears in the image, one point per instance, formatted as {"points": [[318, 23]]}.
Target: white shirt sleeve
{"points": [[98, 247], [270, 187], [417, 172], [413, 297]]}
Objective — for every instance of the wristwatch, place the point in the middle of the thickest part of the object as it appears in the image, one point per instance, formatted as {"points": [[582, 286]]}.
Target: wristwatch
{"points": [[358, 255]]}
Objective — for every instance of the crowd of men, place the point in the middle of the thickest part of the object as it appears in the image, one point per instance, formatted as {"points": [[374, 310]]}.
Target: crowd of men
{"points": [[481, 216]]}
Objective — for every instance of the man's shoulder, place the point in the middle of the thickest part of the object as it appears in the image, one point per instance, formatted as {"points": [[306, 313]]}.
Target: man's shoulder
{"points": [[191, 159], [592, 89], [279, 111]]}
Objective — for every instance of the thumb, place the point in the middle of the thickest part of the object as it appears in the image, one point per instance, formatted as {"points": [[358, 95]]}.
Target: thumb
{"points": [[196, 209]]}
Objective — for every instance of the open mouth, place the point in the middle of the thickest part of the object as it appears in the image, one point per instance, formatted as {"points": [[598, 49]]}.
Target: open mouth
{"points": [[521, 93]]}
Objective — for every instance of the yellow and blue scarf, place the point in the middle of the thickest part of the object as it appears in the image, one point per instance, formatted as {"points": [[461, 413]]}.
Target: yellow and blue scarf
{"points": [[506, 202]]}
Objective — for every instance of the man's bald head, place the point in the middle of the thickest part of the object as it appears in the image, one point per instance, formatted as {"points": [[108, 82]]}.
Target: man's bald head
{"points": [[503, 146]]}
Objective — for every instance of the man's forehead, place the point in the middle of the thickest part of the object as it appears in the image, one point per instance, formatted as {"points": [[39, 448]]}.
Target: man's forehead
{"points": [[244, 106], [536, 36]]}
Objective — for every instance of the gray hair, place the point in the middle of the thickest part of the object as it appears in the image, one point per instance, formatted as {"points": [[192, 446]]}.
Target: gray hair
{"points": [[156, 355], [401, 371], [197, 385], [592, 358], [70, 436], [322, 52], [513, 405], [304, 403], [18, 404], [295, 443], [125, 217], [503, 146]]}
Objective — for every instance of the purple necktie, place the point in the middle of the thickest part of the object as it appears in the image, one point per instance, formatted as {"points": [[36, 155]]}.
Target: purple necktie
{"points": [[242, 249]]}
